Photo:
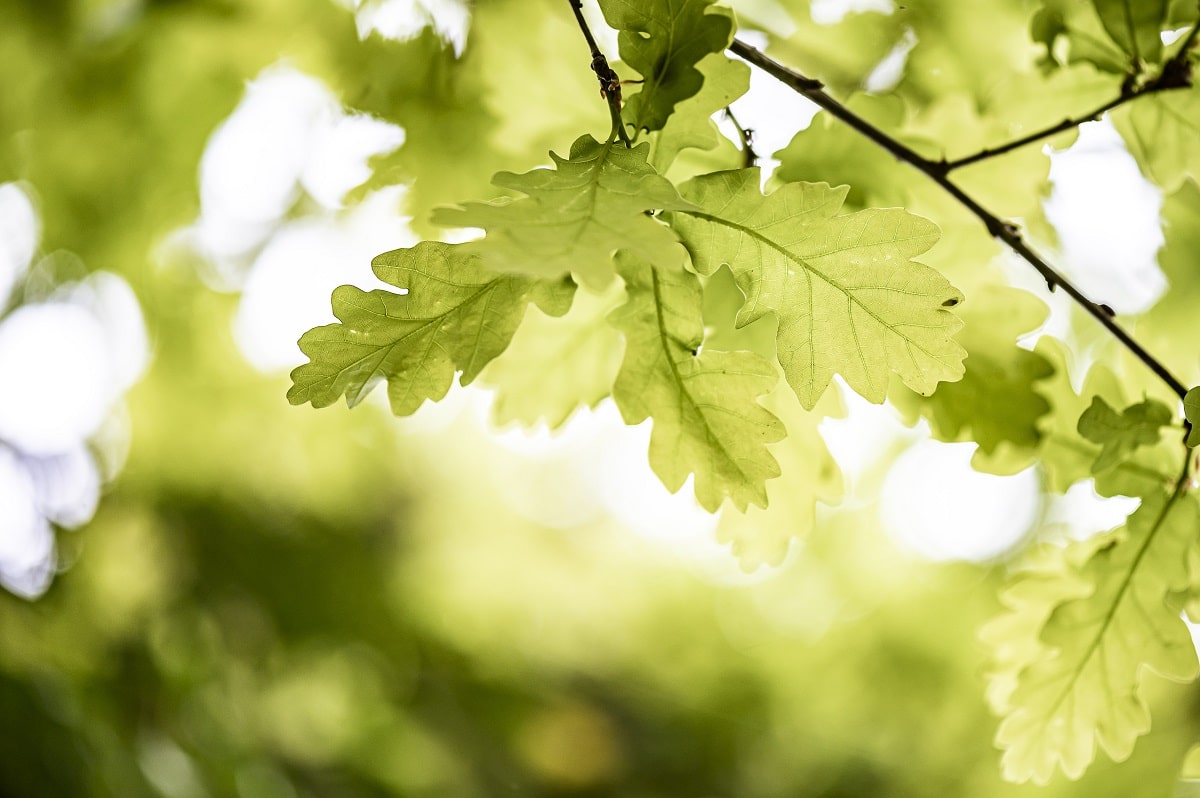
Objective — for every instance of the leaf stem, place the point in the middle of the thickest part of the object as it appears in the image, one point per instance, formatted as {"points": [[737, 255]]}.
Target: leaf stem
{"points": [[749, 156], [1175, 74], [610, 82], [1005, 231]]}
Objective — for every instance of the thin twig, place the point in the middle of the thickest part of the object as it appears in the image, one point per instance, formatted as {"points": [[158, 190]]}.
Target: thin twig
{"points": [[746, 136], [610, 83], [1003, 230], [1175, 74]]}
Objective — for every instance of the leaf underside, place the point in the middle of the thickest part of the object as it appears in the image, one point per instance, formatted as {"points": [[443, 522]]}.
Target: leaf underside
{"points": [[707, 420], [455, 316], [847, 297], [575, 216], [1109, 611]]}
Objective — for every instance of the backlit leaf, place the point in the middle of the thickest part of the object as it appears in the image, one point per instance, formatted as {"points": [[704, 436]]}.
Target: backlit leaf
{"points": [[1110, 612], [664, 40], [1120, 434], [576, 216], [455, 316], [847, 297], [1191, 409], [555, 365], [707, 420], [1135, 25]]}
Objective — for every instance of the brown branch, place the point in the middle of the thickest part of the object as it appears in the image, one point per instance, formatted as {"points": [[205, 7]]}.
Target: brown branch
{"points": [[1003, 230], [610, 83], [1175, 74]]}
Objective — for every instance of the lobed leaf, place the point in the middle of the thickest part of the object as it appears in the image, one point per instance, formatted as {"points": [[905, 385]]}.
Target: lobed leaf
{"points": [[707, 420], [664, 40], [557, 364], [576, 216], [691, 125], [995, 402], [1109, 611], [847, 297], [455, 316], [1120, 434]]}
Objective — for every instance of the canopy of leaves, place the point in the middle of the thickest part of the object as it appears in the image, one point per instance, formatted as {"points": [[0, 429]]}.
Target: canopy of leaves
{"points": [[454, 316], [847, 296], [576, 216]]}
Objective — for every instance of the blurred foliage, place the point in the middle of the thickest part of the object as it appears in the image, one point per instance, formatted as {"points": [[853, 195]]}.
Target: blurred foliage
{"points": [[273, 603]]}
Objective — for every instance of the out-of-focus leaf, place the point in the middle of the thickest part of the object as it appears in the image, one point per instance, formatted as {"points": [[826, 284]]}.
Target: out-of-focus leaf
{"points": [[691, 125], [762, 536], [995, 401], [1167, 329], [1120, 434], [707, 418], [576, 215], [1191, 409], [1109, 611], [1162, 131], [1135, 25], [847, 297], [555, 365], [664, 40], [825, 151], [1081, 26], [454, 316]]}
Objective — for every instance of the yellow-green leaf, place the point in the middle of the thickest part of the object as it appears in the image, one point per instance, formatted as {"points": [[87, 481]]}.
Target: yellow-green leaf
{"points": [[847, 297]]}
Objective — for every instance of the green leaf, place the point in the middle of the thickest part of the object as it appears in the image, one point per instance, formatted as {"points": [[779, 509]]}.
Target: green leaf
{"points": [[1109, 612], [664, 40], [1168, 328], [847, 298], [995, 401], [707, 419], [691, 125], [455, 316], [1120, 434], [762, 536], [555, 365], [1088, 40], [1162, 132], [576, 216], [824, 152], [1135, 25], [1191, 410]]}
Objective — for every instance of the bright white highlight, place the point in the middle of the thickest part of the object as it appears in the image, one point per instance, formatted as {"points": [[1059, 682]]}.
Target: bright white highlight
{"points": [[1107, 217], [289, 285], [934, 503], [888, 72], [288, 134], [56, 369], [26, 543], [405, 19], [20, 230], [66, 361], [831, 12]]}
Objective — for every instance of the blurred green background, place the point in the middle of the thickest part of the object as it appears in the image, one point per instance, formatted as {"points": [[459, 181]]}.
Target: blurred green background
{"points": [[274, 602]]}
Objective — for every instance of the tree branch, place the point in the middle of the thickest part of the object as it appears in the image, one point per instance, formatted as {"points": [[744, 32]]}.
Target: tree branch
{"points": [[749, 156], [1175, 74], [610, 83], [1003, 230]]}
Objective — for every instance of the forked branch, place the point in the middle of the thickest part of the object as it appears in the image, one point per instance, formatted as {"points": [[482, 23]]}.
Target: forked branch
{"points": [[1003, 230], [1176, 74]]}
